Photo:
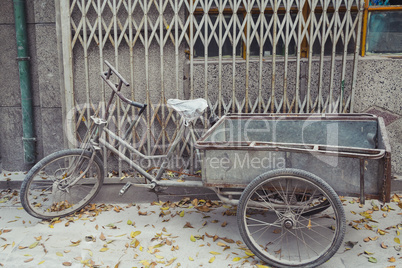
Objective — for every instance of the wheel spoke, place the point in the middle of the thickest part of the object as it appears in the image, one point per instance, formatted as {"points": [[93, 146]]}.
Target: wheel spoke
{"points": [[56, 196]]}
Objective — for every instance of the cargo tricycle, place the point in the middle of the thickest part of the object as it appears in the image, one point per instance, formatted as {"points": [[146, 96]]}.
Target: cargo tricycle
{"points": [[284, 172]]}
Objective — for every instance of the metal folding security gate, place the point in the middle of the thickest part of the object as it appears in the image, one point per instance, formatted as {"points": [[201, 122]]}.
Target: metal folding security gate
{"points": [[247, 56]]}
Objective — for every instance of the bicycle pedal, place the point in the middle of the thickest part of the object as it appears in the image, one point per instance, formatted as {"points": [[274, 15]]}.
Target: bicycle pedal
{"points": [[124, 189]]}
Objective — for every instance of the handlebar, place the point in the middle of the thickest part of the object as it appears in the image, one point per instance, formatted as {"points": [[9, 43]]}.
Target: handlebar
{"points": [[116, 88]]}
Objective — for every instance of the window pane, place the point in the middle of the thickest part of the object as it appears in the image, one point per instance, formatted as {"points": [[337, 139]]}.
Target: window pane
{"points": [[384, 32], [213, 48], [385, 2]]}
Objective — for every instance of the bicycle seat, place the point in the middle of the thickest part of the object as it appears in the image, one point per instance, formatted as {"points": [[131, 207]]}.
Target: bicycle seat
{"points": [[188, 109]]}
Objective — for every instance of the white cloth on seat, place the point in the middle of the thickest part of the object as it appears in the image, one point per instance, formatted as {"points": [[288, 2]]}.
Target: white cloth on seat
{"points": [[189, 109]]}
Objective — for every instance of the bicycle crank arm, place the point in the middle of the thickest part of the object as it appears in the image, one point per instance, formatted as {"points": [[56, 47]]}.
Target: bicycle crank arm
{"points": [[143, 185]]}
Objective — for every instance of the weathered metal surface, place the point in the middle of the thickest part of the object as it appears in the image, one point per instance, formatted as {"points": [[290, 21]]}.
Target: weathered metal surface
{"points": [[349, 152]]}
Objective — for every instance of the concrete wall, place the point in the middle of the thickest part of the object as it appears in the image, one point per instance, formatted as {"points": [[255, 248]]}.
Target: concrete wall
{"points": [[378, 87], [379, 91], [45, 83]]}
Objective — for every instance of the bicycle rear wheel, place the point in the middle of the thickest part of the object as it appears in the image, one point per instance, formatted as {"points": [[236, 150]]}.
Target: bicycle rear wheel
{"points": [[291, 218], [62, 183]]}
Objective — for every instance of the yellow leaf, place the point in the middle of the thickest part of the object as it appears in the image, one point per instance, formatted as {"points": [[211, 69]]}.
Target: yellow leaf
{"points": [[262, 266], [211, 260], [41, 262], [192, 238], [34, 245], [182, 213], [249, 253], [381, 232], [170, 261], [104, 249], [134, 234], [215, 253], [309, 224], [145, 263], [191, 259], [392, 259], [159, 257], [236, 259], [396, 239], [129, 222], [59, 254]]}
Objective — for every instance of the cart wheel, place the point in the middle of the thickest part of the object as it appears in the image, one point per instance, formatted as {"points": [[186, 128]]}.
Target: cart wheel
{"points": [[291, 218]]}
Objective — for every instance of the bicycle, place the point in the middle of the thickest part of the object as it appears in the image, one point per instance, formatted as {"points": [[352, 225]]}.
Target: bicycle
{"points": [[288, 217]]}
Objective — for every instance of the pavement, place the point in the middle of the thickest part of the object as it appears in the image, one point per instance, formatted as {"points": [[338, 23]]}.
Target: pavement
{"points": [[143, 229]]}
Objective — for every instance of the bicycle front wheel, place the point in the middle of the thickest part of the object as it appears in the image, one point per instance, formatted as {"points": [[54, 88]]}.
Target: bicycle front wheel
{"points": [[62, 183], [291, 218]]}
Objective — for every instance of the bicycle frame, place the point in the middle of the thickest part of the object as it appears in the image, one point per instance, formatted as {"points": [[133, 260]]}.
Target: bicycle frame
{"points": [[101, 127]]}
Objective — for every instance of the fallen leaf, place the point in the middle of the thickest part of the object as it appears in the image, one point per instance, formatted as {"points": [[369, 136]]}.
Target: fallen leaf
{"points": [[381, 232], [384, 246], [236, 259], [182, 213], [392, 259], [66, 263], [190, 258], [134, 234], [309, 224], [368, 253], [215, 253], [372, 260], [170, 261], [41, 262], [211, 260], [104, 249], [192, 238], [102, 237], [221, 244], [28, 260], [228, 240], [188, 225], [396, 239], [59, 254], [33, 245], [249, 253], [224, 224]]}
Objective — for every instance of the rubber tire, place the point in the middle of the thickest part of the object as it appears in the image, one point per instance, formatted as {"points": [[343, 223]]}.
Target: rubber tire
{"points": [[45, 161], [334, 198]]}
